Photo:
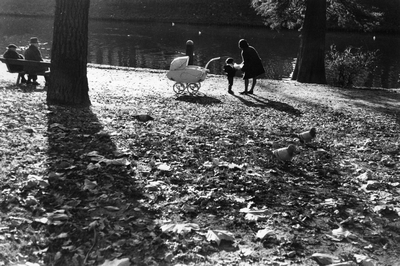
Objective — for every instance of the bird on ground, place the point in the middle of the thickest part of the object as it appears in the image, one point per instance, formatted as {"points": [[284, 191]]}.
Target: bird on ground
{"points": [[307, 136], [286, 153]]}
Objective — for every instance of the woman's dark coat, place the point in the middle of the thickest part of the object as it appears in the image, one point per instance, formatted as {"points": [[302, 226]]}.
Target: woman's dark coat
{"points": [[252, 64]]}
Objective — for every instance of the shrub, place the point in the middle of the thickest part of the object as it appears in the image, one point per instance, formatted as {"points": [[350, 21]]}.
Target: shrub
{"points": [[347, 68]]}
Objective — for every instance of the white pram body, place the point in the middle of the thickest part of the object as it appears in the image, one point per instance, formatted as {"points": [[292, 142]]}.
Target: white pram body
{"points": [[185, 76], [179, 71]]}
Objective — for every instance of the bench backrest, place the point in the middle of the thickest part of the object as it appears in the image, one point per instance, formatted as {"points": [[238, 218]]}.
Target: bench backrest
{"points": [[8, 65], [24, 62]]}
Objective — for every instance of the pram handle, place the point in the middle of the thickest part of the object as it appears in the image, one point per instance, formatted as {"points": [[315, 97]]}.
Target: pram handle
{"points": [[212, 59]]}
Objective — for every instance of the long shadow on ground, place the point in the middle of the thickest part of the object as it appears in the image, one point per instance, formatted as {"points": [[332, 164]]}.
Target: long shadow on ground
{"points": [[385, 101], [92, 201], [200, 99], [381, 100], [258, 101]]}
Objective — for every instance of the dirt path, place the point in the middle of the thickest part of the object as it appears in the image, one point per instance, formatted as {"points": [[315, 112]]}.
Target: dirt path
{"points": [[155, 82]]}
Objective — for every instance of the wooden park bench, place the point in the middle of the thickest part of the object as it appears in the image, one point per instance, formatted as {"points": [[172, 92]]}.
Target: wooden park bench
{"points": [[24, 62]]}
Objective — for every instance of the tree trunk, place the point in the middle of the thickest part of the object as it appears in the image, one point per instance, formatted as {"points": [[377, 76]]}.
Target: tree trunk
{"points": [[68, 78], [310, 65]]}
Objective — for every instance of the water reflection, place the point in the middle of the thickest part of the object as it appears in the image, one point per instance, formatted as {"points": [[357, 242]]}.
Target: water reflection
{"points": [[154, 45]]}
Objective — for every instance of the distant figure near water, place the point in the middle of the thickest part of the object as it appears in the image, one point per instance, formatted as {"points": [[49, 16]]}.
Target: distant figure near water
{"points": [[252, 65]]}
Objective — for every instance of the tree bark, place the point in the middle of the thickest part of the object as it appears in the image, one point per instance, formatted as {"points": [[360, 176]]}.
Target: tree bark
{"points": [[310, 64], [68, 78]]}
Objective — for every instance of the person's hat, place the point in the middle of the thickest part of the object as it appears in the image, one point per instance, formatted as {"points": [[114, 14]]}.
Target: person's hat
{"points": [[12, 46], [34, 40]]}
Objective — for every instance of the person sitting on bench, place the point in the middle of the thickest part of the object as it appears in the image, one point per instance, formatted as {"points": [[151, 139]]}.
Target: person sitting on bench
{"points": [[12, 53], [33, 53]]}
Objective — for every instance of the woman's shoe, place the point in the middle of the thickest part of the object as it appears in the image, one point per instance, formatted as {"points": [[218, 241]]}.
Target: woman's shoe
{"points": [[250, 92], [244, 92]]}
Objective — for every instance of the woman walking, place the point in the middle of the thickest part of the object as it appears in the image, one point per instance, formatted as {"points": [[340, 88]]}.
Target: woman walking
{"points": [[252, 65]]}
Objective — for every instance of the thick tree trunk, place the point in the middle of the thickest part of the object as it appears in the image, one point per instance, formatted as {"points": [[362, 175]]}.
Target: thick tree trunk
{"points": [[310, 65], [68, 78]]}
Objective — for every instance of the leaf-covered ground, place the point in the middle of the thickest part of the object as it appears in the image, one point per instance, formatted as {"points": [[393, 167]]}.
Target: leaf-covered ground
{"points": [[198, 185]]}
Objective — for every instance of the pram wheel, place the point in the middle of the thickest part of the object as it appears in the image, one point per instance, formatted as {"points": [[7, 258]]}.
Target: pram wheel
{"points": [[193, 88], [179, 88]]}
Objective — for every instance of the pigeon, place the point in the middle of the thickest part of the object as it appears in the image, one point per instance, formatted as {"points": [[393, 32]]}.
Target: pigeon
{"points": [[285, 154], [143, 118], [307, 136]]}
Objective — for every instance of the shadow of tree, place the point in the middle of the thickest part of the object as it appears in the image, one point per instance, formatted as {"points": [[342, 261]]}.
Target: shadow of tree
{"points": [[93, 201], [25, 88], [381, 100], [31, 88], [260, 102], [386, 101], [201, 99]]}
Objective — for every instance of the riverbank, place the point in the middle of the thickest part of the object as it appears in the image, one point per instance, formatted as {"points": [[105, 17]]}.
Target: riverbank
{"points": [[198, 184]]}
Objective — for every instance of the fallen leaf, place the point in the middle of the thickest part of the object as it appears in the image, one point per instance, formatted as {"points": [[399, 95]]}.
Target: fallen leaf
{"points": [[341, 233], [345, 263], [111, 208], [365, 176], [363, 260], [89, 185], [119, 161], [255, 217], [235, 166], [164, 167], [62, 235], [324, 259], [218, 235], [117, 262], [42, 220], [180, 228], [208, 164], [264, 233], [246, 252], [247, 210]]}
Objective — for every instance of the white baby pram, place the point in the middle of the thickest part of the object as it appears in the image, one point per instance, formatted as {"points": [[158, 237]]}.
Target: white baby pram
{"points": [[187, 77]]}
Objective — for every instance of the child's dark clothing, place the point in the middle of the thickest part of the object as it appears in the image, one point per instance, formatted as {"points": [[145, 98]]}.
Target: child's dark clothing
{"points": [[230, 72]]}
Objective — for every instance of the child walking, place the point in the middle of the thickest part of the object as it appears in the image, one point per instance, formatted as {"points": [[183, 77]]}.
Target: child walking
{"points": [[230, 72]]}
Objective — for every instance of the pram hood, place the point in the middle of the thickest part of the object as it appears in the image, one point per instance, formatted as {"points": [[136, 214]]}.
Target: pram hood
{"points": [[179, 63]]}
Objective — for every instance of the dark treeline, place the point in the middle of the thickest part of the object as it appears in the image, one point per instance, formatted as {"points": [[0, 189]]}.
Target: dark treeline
{"points": [[391, 8], [221, 12]]}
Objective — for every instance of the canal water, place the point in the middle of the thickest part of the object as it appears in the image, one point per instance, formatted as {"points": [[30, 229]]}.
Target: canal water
{"points": [[155, 45]]}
